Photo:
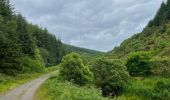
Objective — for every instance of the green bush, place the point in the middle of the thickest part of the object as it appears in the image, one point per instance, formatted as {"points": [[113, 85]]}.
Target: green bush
{"points": [[160, 66], [73, 70], [109, 75], [161, 43], [138, 63], [33, 64]]}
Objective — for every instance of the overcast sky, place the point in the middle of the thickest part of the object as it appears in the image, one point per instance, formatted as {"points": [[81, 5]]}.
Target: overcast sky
{"points": [[94, 24]]}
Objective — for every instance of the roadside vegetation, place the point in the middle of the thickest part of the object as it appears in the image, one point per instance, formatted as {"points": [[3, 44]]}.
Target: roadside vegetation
{"points": [[8, 82], [55, 89], [147, 88], [75, 81]]}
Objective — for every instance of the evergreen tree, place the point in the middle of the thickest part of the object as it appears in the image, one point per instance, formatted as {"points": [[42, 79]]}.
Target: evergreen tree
{"points": [[25, 38], [24, 46], [5, 9], [9, 49], [160, 16], [168, 10]]}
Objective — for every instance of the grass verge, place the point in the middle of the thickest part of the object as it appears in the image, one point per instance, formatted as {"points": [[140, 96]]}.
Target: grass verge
{"points": [[54, 89], [139, 88], [10, 82]]}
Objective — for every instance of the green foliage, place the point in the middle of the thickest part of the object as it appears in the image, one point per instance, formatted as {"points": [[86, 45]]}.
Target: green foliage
{"points": [[34, 64], [9, 62], [147, 88], [159, 18], [5, 9], [160, 66], [51, 48], [86, 54], [138, 63], [25, 38], [110, 75], [155, 36], [161, 91], [73, 70], [162, 15], [160, 44], [168, 31], [8, 82], [54, 89], [21, 49]]}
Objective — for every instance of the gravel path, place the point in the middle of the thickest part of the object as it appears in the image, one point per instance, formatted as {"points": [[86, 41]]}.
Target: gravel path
{"points": [[25, 91]]}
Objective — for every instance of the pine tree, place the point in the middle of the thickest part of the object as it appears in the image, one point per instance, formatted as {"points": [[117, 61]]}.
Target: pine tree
{"points": [[159, 18], [168, 10], [25, 38], [5, 9], [9, 49], [23, 45]]}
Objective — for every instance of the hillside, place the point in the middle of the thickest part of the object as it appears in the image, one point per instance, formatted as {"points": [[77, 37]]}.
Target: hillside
{"points": [[154, 37], [87, 54], [25, 47], [70, 48]]}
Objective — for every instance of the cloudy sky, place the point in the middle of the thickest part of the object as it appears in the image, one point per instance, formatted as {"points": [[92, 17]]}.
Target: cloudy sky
{"points": [[94, 24]]}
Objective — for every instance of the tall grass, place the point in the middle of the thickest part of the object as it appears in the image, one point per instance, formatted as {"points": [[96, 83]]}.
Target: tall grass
{"points": [[147, 88]]}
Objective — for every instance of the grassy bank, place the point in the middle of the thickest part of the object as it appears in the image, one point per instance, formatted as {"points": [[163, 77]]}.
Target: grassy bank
{"points": [[140, 88], [9, 82], [145, 88], [54, 89]]}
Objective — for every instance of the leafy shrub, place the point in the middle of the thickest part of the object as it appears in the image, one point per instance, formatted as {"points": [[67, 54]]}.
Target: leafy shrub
{"points": [[110, 75], [32, 64], [161, 43], [73, 70], [160, 66], [138, 63]]}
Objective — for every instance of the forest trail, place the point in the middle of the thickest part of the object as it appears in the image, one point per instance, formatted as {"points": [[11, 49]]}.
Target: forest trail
{"points": [[25, 91]]}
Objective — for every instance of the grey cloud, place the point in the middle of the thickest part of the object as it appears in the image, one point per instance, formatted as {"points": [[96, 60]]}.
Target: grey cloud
{"points": [[94, 24]]}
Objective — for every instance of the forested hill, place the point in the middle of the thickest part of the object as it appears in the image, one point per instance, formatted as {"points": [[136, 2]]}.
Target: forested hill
{"points": [[70, 48], [155, 37], [25, 47], [87, 54]]}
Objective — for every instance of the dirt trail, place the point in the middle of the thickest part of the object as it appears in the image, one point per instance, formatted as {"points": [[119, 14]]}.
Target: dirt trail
{"points": [[25, 91]]}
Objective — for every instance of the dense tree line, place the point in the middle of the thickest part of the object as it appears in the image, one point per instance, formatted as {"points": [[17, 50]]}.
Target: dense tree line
{"points": [[162, 15], [23, 45]]}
